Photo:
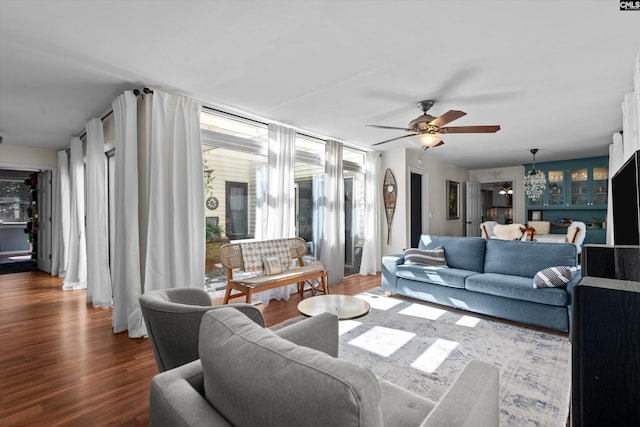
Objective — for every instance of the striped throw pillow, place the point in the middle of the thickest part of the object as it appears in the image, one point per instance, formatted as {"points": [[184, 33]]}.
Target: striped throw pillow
{"points": [[553, 277], [430, 257]]}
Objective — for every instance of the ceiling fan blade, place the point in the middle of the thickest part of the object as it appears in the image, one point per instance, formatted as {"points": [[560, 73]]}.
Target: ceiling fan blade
{"points": [[472, 129], [447, 117], [390, 127], [393, 139]]}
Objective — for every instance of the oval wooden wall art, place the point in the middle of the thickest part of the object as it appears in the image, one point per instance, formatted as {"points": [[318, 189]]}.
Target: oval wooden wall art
{"points": [[390, 192]]}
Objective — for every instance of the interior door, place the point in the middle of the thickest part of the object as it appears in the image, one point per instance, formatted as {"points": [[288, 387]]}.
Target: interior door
{"points": [[474, 209]]}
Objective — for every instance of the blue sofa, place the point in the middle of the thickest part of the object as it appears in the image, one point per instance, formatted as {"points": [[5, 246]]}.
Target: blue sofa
{"points": [[492, 277]]}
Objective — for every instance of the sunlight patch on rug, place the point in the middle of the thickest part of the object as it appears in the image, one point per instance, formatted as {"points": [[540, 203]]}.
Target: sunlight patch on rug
{"points": [[382, 341], [423, 311], [430, 360], [468, 321], [379, 302], [347, 325], [535, 368]]}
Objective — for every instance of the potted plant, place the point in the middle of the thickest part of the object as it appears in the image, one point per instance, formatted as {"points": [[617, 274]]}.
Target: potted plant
{"points": [[213, 232]]}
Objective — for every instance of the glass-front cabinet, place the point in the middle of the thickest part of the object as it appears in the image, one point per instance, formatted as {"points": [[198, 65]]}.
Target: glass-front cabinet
{"points": [[554, 193], [574, 184], [600, 185], [555, 189]]}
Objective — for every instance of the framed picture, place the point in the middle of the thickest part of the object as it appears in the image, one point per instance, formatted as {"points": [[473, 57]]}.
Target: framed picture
{"points": [[536, 215], [213, 220], [453, 200]]}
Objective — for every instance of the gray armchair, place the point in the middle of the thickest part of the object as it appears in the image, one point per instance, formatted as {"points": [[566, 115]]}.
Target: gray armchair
{"points": [[173, 317], [249, 376]]}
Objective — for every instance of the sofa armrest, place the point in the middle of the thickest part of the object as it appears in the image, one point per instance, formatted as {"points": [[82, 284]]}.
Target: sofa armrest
{"points": [[472, 399], [318, 332], [389, 266], [176, 399]]}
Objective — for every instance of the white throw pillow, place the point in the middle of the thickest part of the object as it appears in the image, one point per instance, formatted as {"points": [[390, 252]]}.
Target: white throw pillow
{"points": [[272, 265]]}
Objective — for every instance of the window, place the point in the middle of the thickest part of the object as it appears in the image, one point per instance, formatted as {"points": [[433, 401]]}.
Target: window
{"points": [[15, 200], [235, 169]]}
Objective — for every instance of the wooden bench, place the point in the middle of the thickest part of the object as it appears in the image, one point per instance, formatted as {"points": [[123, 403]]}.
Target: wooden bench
{"points": [[245, 274]]}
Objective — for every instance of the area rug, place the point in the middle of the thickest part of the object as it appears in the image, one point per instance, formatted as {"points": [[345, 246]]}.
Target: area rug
{"points": [[423, 348]]}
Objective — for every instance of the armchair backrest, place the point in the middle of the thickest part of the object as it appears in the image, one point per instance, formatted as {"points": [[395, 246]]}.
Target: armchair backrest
{"points": [[576, 234], [240, 359], [487, 229], [173, 318]]}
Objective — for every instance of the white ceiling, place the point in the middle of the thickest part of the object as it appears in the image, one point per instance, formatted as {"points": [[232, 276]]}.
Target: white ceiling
{"points": [[552, 74]]}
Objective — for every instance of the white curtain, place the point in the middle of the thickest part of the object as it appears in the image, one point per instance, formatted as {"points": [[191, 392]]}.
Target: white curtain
{"points": [[60, 216], [332, 204], [175, 250], [127, 284], [616, 156], [76, 274], [625, 145], [98, 274], [276, 213], [371, 254]]}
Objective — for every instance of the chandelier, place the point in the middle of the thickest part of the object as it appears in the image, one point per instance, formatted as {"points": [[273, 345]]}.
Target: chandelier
{"points": [[535, 181], [506, 189]]}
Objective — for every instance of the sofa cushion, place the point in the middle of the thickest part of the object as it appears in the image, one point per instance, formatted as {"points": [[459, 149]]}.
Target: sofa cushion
{"points": [[553, 277], [525, 259], [253, 377], [516, 287], [452, 277], [465, 253], [428, 257]]}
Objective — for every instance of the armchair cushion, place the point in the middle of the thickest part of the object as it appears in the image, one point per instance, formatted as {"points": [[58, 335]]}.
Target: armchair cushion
{"points": [[254, 377]]}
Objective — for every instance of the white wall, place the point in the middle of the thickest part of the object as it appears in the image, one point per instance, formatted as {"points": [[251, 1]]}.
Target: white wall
{"points": [[400, 161], [439, 172], [27, 158], [514, 174]]}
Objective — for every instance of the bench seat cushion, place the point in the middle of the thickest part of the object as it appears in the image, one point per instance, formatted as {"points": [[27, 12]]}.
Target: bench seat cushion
{"points": [[516, 287]]}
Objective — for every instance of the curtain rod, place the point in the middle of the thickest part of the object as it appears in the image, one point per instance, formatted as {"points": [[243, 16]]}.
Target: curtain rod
{"points": [[247, 119], [136, 92]]}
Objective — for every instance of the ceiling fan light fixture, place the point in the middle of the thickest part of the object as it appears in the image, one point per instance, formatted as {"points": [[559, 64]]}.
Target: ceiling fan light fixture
{"points": [[427, 140]]}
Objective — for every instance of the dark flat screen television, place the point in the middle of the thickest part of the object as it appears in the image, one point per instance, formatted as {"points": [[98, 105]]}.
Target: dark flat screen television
{"points": [[625, 190]]}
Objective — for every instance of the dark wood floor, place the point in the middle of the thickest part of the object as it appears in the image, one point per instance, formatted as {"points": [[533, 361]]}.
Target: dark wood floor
{"points": [[61, 364]]}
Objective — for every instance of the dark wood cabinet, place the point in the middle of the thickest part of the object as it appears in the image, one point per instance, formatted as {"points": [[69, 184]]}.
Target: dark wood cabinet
{"points": [[605, 340]]}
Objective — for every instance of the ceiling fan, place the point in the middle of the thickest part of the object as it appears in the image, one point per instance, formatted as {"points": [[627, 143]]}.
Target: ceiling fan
{"points": [[426, 127]]}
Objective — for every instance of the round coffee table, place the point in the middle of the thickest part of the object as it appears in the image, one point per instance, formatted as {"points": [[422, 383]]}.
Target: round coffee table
{"points": [[345, 306]]}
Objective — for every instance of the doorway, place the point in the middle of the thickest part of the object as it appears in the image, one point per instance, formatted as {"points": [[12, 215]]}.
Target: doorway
{"points": [[497, 202], [236, 197], [416, 208]]}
